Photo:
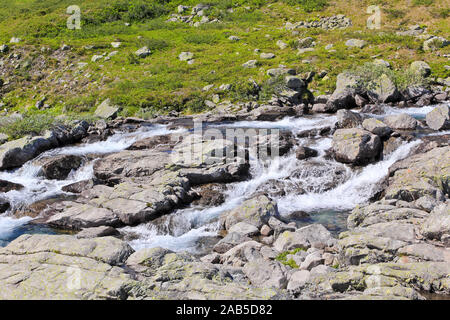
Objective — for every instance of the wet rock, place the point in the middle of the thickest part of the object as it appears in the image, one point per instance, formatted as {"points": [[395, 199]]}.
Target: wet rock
{"points": [[211, 195], [401, 122], [97, 232], [64, 267], [356, 146], [305, 153], [6, 186], [266, 274], [256, 211], [439, 118], [59, 167], [420, 175], [4, 205], [377, 127], [348, 119]]}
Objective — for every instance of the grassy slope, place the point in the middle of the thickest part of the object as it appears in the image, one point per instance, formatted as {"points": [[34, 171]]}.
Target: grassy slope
{"points": [[161, 82]]}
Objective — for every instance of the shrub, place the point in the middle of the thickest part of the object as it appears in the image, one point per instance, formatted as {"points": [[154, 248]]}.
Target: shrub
{"points": [[309, 5], [34, 124]]}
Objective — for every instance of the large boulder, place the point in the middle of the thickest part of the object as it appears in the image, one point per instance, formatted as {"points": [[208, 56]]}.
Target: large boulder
{"points": [[64, 267], [421, 175], [256, 211], [376, 127], [266, 274], [356, 146], [384, 90], [59, 167], [420, 68], [439, 118], [344, 99], [401, 122]]}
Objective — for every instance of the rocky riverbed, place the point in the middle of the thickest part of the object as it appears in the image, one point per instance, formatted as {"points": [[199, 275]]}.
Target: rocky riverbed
{"points": [[353, 205]]}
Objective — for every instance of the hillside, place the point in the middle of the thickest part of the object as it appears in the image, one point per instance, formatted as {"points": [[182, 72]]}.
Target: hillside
{"points": [[54, 66]]}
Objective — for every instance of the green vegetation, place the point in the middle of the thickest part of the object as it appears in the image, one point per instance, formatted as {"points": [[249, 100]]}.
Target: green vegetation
{"points": [[30, 124], [282, 257], [161, 83]]}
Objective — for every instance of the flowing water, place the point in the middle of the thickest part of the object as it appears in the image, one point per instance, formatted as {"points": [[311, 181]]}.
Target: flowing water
{"points": [[325, 190]]}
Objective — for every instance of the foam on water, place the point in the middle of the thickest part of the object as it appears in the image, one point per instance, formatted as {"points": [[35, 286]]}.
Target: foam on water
{"points": [[8, 225]]}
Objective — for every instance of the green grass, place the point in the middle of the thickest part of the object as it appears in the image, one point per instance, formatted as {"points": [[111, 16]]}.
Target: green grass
{"points": [[161, 83]]}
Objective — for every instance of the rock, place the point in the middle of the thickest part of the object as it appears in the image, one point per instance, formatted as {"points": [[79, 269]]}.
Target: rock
{"points": [[255, 211], [96, 58], [116, 44], [143, 52], [384, 90], [294, 83], [267, 56], [348, 119], [266, 274], [426, 203], [298, 280], [106, 110], [234, 38], [271, 113], [305, 153], [231, 240], [376, 127], [64, 267], [16, 153], [356, 146], [211, 195], [4, 48], [281, 44], [6, 186], [425, 252], [356, 43], [266, 230], [382, 63], [81, 216], [344, 99], [244, 228], [186, 56], [435, 43], [15, 40], [420, 175], [3, 137], [280, 71], [312, 260], [250, 64], [421, 68], [59, 167], [438, 222], [289, 240], [439, 118], [78, 187], [97, 232], [4, 205], [400, 122]]}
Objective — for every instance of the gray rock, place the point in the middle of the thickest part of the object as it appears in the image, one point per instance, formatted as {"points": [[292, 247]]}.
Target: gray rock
{"points": [[438, 222], [298, 280], [312, 260], [256, 211], [186, 56], [348, 119], [143, 52], [435, 43], [250, 64], [305, 153], [231, 240], [266, 274], [384, 90], [439, 118], [356, 146], [377, 127], [267, 56], [97, 232], [421, 68], [356, 43], [6, 186], [344, 99], [400, 122], [425, 252], [106, 110], [245, 229]]}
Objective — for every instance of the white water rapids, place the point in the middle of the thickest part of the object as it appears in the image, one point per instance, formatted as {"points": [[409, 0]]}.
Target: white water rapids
{"points": [[328, 188]]}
